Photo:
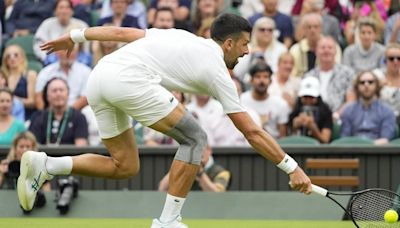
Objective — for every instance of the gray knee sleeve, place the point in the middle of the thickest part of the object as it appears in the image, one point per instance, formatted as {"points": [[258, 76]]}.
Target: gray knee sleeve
{"points": [[192, 139]]}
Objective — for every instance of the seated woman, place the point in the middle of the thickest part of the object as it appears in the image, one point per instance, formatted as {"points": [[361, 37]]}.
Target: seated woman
{"points": [[9, 126], [311, 116], [9, 167], [19, 79]]}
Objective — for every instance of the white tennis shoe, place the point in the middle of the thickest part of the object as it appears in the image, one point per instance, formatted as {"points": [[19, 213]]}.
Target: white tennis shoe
{"points": [[176, 223], [33, 174]]}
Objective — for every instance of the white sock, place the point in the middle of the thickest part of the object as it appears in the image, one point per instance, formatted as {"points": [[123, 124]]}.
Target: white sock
{"points": [[59, 165], [172, 208]]}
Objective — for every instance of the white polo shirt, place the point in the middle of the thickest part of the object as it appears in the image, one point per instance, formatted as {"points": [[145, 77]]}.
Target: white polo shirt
{"points": [[183, 62]]}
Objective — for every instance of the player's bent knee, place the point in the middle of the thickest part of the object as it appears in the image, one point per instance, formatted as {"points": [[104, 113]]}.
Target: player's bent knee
{"points": [[192, 139], [125, 170]]}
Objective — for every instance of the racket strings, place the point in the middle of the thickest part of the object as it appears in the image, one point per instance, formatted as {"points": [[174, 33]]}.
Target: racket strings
{"points": [[368, 208]]}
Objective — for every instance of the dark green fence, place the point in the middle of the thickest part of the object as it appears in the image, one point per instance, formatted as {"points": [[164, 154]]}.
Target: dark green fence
{"points": [[380, 166]]}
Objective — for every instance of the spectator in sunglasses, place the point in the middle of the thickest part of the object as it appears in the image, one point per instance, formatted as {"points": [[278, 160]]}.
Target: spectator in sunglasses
{"points": [[369, 116], [390, 92]]}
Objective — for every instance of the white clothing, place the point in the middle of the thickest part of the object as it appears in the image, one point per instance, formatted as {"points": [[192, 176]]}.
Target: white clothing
{"points": [[250, 7], [136, 93], [273, 111], [219, 127], [94, 137], [291, 87], [51, 29], [228, 135], [325, 78], [133, 80], [209, 117], [77, 78], [271, 56]]}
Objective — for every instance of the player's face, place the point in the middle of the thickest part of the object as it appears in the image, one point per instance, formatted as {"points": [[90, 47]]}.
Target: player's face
{"points": [[236, 48]]}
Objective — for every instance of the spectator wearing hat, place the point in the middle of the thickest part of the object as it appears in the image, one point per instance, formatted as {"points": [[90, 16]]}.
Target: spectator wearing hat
{"points": [[311, 116]]}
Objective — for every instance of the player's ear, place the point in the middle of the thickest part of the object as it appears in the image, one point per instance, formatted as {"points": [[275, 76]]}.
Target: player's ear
{"points": [[228, 44]]}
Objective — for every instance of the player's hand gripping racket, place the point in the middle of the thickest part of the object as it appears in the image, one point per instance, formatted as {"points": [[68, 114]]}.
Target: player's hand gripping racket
{"points": [[367, 208]]}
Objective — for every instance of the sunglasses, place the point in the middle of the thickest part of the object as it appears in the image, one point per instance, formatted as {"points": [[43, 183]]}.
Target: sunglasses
{"points": [[392, 58], [12, 55], [265, 29], [369, 82]]}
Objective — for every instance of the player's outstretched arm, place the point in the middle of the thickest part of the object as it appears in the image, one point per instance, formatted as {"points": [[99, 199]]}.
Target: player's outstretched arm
{"points": [[266, 146], [103, 33]]}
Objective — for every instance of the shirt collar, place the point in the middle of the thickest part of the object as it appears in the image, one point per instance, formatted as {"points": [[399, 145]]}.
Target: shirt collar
{"points": [[217, 47]]}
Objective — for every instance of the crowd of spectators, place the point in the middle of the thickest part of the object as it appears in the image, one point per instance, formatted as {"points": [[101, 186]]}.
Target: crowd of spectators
{"points": [[313, 65]]}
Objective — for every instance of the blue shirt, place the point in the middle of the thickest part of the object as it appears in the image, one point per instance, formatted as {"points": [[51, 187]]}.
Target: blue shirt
{"points": [[29, 14], [373, 122], [128, 21], [282, 21]]}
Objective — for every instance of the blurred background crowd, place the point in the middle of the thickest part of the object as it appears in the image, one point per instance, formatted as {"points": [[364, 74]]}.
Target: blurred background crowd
{"points": [[322, 70]]}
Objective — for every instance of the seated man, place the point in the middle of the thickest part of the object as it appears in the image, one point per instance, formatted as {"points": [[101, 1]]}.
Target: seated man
{"points": [[211, 177], [311, 116], [59, 123], [72, 71], [368, 116], [120, 17]]}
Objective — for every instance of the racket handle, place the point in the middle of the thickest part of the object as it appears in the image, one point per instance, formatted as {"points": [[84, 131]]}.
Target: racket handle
{"points": [[319, 190]]}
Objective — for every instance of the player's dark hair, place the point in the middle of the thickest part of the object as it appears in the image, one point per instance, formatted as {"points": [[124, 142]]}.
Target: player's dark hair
{"points": [[260, 67], [229, 26]]}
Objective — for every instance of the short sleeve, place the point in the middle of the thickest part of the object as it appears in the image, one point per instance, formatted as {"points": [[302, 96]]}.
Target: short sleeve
{"points": [[284, 113], [41, 81], [81, 130], [224, 90]]}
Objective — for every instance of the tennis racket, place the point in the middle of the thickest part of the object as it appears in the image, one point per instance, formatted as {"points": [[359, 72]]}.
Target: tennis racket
{"points": [[367, 207]]}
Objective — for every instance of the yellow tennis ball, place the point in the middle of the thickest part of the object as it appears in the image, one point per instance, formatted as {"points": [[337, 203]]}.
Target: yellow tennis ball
{"points": [[391, 216]]}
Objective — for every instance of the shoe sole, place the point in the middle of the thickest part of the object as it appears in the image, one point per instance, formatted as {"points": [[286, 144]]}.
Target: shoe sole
{"points": [[21, 185]]}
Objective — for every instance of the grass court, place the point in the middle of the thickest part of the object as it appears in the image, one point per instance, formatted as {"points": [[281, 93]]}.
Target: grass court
{"points": [[145, 223]]}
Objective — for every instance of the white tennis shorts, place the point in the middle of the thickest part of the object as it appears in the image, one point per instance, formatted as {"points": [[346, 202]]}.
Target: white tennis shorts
{"points": [[116, 93]]}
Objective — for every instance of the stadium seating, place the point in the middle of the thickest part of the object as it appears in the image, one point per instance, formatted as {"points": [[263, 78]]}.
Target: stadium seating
{"points": [[395, 141], [335, 131], [298, 140], [352, 140]]}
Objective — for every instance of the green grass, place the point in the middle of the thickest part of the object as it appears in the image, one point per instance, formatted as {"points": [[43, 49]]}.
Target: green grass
{"points": [[145, 223]]}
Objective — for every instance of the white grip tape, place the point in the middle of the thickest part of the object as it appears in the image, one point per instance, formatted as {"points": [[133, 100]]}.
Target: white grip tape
{"points": [[288, 164], [78, 35], [319, 190]]}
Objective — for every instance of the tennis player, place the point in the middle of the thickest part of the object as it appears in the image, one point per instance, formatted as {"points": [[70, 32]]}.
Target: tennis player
{"points": [[134, 81]]}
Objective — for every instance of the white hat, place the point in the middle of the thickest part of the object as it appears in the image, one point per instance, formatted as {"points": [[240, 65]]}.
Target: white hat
{"points": [[309, 86]]}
